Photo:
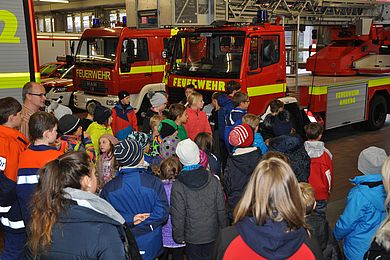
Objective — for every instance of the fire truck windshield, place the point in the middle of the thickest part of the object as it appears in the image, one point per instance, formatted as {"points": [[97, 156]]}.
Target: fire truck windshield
{"points": [[208, 54], [97, 51]]}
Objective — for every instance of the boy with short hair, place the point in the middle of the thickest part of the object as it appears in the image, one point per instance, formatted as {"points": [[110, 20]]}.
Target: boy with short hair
{"points": [[321, 166], [88, 119], [276, 106], [188, 90], [177, 117], [12, 144], [319, 226], [43, 132]]}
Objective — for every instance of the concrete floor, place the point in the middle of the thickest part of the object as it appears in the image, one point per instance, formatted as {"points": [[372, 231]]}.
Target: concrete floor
{"points": [[345, 144]]}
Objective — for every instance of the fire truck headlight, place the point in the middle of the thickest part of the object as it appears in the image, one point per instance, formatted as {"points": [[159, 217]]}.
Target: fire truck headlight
{"points": [[110, 102]]}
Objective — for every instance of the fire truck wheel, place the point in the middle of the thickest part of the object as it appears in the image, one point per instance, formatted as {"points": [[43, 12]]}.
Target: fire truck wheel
{"points": [[377, 113]]}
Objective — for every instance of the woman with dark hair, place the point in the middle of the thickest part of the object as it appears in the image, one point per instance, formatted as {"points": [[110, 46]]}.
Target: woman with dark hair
{"points": [[269, 220], [68, 220]]}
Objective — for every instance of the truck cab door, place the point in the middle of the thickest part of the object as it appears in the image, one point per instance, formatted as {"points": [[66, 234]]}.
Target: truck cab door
{"points": [[266, 75], [135, 69]]}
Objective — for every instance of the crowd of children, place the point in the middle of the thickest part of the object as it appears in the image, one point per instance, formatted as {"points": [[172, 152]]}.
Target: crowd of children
{"points": [[177, 185]]}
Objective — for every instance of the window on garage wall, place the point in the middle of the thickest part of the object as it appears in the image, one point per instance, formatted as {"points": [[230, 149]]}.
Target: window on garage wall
{"points": [[41, 25], [69, 23], [116, 15], [77, 23]]}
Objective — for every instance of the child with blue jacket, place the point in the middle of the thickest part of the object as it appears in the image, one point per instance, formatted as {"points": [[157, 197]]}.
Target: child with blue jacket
{"points": [[364, 210], [139, 197], [234, 118], [258, 140]]}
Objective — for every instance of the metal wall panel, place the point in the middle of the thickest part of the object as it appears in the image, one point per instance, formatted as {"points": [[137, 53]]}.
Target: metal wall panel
{"points": [[346, 104], [13, 48]]}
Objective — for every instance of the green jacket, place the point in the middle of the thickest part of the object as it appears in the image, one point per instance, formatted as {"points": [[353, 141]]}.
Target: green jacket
{"points": [[165, 129], [95, 131]]}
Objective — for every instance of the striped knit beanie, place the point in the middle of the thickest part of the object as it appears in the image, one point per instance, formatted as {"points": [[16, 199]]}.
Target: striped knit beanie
{"points": [[241, 136], [128, 153]]}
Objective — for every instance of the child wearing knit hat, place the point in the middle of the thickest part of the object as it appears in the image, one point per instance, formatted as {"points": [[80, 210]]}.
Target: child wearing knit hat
{"points": [[240, 164], [158, 102], [139, 197], [72, 138], [365, 207], [106, 165], [124, 119], [197, 204]]}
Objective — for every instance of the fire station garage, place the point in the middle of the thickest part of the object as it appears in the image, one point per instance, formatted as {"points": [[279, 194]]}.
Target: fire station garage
{"points": [[174, 87]]}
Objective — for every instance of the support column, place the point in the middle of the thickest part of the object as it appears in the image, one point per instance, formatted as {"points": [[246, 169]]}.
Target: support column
{"points": [[131, 13], [59, 22]]}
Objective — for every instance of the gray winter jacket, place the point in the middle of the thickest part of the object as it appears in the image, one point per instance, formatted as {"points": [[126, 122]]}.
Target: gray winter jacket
{"points": [[197, 207]]}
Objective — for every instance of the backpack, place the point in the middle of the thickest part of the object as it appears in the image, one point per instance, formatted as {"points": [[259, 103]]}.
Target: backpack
{"points": [[130, 244], [376, 252]]}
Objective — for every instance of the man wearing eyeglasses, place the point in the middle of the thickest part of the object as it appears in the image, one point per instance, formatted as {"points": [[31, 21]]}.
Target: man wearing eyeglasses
{"points": [[34, 97]]}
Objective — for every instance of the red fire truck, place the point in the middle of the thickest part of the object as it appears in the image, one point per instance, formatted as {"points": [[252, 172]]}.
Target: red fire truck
{"points": [[109, 60], [254, 56]]}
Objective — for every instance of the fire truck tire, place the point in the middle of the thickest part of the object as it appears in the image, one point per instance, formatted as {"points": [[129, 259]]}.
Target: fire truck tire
{"points": [[377, 113]]}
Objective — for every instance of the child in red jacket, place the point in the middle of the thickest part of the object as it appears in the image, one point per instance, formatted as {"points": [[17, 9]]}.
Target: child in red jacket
{"points": [[197, 119], [124, 119], [321, 167]]}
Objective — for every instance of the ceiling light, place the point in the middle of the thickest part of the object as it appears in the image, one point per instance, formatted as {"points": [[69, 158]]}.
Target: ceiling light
{"points": [[55, 1]]}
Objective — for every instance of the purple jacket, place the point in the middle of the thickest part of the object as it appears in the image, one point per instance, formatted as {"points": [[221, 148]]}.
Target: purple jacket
{"points": [[167, 228]]}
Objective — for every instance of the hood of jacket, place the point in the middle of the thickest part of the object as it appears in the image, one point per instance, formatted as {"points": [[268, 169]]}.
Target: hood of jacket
{"points": [[363, 180], [245, 159], [285, 143], [271, 240], [169, 122], [195, 179], [95, 127], [90, 201], [225, 101], [316, 149]]}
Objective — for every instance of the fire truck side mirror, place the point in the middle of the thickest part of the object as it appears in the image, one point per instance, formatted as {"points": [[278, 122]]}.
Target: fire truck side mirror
{"points": [[69, 60], [164, 54]]}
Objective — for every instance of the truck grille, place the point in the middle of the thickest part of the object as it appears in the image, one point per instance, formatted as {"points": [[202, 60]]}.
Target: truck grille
{"points": [[93, 86]]}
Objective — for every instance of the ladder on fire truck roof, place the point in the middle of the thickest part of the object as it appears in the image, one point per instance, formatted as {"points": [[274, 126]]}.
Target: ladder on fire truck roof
{"points": [[310, 11]]}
